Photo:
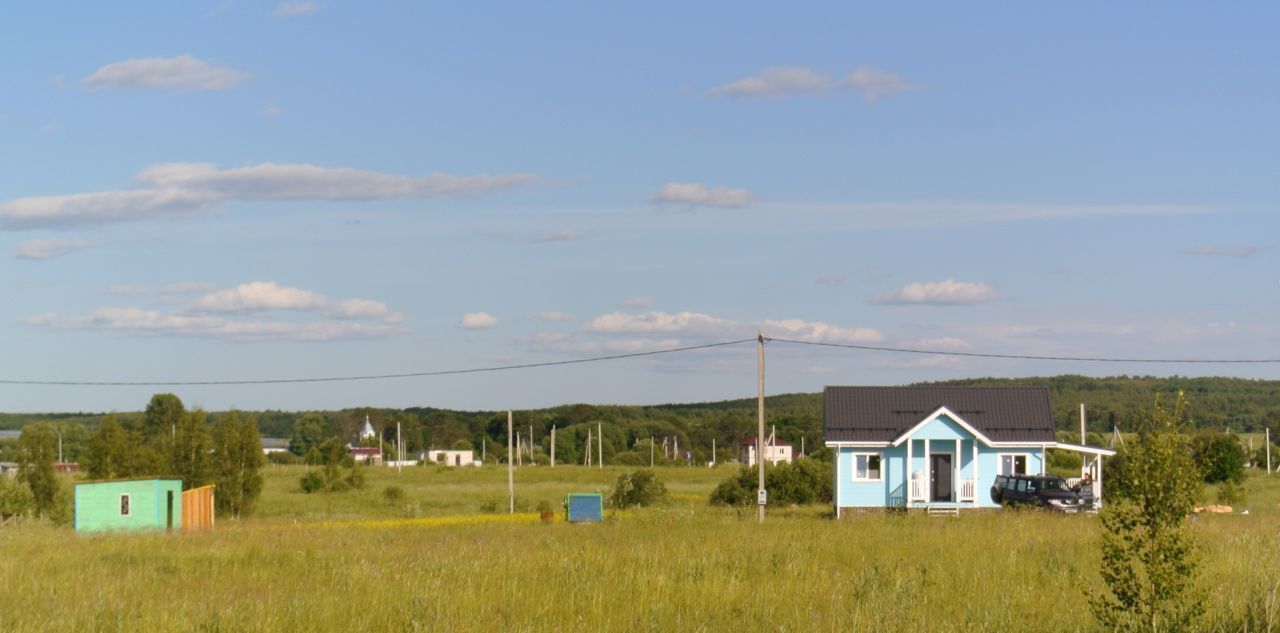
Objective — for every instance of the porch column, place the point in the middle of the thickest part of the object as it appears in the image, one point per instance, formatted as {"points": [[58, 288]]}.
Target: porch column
{"points": [[928, 472], [1098, 484], [956, 483], [1044, 459], [975, 470], [907, 485]]}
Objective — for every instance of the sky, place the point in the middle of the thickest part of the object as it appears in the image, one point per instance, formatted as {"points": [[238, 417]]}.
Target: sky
{"points": [[232, 190]]}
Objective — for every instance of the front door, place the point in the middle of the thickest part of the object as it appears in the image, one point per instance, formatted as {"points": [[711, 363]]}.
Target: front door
{"points": [[940, 477]]}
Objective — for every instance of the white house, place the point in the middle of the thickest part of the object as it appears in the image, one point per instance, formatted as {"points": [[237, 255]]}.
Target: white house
{"points": [[776, 451], [450, 458]]}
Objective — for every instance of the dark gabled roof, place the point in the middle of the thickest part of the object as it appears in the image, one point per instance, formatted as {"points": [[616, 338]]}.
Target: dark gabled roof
{"points": [[882, 414]]}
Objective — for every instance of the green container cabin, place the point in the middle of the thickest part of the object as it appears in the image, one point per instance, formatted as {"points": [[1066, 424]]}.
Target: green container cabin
{"points": [[153, 503]]}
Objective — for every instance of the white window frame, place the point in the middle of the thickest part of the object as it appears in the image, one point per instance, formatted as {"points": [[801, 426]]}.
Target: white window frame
{"points": [[868, 454], [1026, 463], [126, 505]]}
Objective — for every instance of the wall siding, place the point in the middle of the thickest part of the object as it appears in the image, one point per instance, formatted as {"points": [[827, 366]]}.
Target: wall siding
{"points": [[97, 505]]}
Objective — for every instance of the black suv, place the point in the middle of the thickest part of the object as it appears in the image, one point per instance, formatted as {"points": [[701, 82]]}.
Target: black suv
{"points": [[1051, 493]]}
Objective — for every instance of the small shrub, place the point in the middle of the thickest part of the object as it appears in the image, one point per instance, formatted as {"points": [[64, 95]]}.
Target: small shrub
{"points": [[489, 507], [15, 499], [638, 488], [545, 506], [392, 494], [1230, 493], [311, 482]]}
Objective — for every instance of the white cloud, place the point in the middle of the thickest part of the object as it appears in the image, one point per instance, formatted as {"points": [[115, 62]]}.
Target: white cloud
{"points": [[294, 9], [819, 332], [478, 321], [946, 292], [49, 249], [636, 302], [779, 81], [1243, 251], [178, 288], [101, 207], [556, 316], [358, 309], [272, 110], [272, 181], [875, 83], [134, 320], [658, 322], [184, 189], [561, 236], [183, 72], [260, 295], [257, 311], [701, 195], [566, 344]]}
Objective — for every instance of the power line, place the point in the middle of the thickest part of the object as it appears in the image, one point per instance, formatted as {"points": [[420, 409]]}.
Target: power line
{"points": [[1077, 359], [417, 374]]}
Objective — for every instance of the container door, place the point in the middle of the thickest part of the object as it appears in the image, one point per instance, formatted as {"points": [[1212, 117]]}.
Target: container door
{"points": [[168, 510]]}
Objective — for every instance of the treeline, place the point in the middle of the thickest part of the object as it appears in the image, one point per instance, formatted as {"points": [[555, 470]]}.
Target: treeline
{"points": [[1236, 404]]}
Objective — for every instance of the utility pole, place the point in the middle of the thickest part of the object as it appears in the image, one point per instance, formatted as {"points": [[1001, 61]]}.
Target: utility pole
{"points": [[511, 473], [586, 456], [713, 451], [60, 461], [1268, 450], [553, 446], [761, 494], [399, 448], [600, 442]]}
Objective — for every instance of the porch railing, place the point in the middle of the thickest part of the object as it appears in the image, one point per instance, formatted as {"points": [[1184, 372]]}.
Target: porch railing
{"points": [[967, 490], [918, 490]]}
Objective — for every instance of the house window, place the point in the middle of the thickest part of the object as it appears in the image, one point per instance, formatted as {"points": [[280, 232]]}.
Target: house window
{"points": [[866, 467], [1013, 464], [124, 505]]}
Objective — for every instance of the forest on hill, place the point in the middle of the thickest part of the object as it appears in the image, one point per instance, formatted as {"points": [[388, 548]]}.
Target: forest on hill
{"points": [[1216, 403]]}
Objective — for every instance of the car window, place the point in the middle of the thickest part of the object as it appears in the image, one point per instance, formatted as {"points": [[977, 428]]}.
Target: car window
{"points": [[1031, 485], [1056, 484], [1022, 485]]}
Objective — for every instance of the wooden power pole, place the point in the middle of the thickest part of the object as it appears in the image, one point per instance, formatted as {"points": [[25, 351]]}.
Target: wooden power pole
{"points": [[760, 493], [553, 446], [600, 442]]}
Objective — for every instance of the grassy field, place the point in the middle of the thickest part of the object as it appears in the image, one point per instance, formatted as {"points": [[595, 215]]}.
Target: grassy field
{"points": [[436, 560]]}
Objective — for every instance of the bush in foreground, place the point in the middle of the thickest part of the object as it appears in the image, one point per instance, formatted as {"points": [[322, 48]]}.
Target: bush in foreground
{"points": [[801, 482], [638, 488]]}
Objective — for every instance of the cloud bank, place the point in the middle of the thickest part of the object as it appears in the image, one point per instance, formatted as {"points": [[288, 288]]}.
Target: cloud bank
{"points": [[251, 312], [181, 73], [697, 194], [185, 189]]}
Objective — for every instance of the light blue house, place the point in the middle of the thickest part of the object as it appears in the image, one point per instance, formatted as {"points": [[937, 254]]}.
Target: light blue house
{"points": [[938, 447]]}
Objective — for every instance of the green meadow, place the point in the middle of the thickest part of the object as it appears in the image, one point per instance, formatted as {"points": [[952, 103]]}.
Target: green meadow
{"points": [[438, 557]]}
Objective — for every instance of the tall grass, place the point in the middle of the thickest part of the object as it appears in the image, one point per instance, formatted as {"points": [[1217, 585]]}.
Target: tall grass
{"points": [[317, 564]]}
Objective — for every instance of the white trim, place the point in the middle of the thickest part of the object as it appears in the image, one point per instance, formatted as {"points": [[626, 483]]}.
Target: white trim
{"points": [[1079, 448], [933, 416], [853, 470], [857, 444], [1026, 466]]}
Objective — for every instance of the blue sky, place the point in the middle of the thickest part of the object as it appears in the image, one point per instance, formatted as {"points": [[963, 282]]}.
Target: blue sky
{"points": [[238, 190]]}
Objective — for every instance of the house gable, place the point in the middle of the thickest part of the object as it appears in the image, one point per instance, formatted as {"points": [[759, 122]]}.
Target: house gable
{"points": [[942, 425]]}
